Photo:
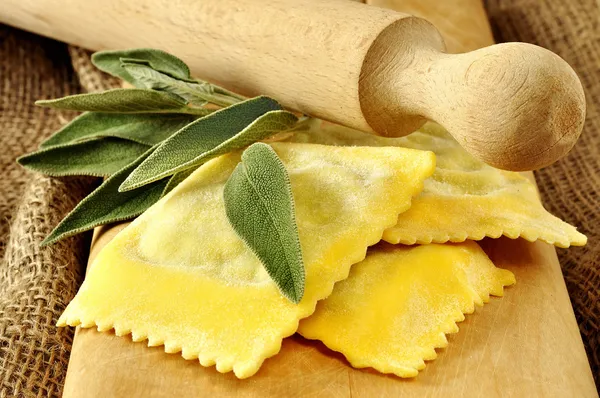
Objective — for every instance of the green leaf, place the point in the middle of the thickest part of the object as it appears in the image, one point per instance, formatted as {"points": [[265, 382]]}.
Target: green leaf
{"points": [[198, 93], [124, 100], [151, 79], [110, 62], [107, 205], [225, 130], [177, 178], [260, 207], [116, 63], [149, 129], [100, 157]]}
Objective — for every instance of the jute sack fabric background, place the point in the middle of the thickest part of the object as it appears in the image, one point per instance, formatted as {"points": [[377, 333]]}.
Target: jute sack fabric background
{"points": [[37, 283]]}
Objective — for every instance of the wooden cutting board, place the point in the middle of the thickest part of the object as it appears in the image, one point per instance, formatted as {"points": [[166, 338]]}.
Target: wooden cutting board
{"points": [[525, 344]]}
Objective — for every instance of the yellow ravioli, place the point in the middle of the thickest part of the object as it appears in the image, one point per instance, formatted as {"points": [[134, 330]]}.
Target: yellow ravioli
{"points": [[180, 276], [464, 199], [398, 304]]}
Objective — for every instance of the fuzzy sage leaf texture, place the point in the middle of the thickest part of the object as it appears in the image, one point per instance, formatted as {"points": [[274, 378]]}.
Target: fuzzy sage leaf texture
{"points": [[123, 100], [196, 93], [107, 205], [223, 131], [158, 70], [100, 157], [111, 63], [143, 128], [148, 139], [260, 207]]}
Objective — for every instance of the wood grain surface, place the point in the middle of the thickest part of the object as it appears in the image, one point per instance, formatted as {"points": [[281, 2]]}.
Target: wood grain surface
{"points": [[525, 344], [515, 106]]}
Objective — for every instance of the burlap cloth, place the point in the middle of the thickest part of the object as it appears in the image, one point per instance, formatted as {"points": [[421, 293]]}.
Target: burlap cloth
{"points": [[37, 283]]}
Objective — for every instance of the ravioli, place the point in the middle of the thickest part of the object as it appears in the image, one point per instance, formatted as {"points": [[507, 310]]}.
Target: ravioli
{"points": [[179, 276], [464, 199], [398, 304]]}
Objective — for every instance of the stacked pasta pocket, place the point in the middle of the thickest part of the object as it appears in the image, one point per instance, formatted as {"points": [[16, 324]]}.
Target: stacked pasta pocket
{"points": [[388, 230]]}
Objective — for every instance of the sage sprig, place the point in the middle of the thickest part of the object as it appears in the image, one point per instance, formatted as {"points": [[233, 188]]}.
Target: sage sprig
{"points": [[260, 207], [161, 61], [101, 157], [148, 139], [106, 205], [197, 93], [156, 69], [226, 130], [144, 128], [123, 100]]}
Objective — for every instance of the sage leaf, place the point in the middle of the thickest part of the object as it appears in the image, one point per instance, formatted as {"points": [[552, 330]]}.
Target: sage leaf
{"points": [[223, 131], [100, 157], [260, 207], [177, 178], [107, 205], [149, 78], [110, 62], [198, 93], [149, 129], [124, 100]]}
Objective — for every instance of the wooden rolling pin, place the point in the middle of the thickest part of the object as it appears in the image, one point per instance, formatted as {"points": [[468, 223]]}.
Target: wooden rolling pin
{"points": [[515, 106]]}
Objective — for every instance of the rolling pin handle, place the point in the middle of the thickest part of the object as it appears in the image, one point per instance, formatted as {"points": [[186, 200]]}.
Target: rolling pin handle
{"points": [[515, 106]]}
